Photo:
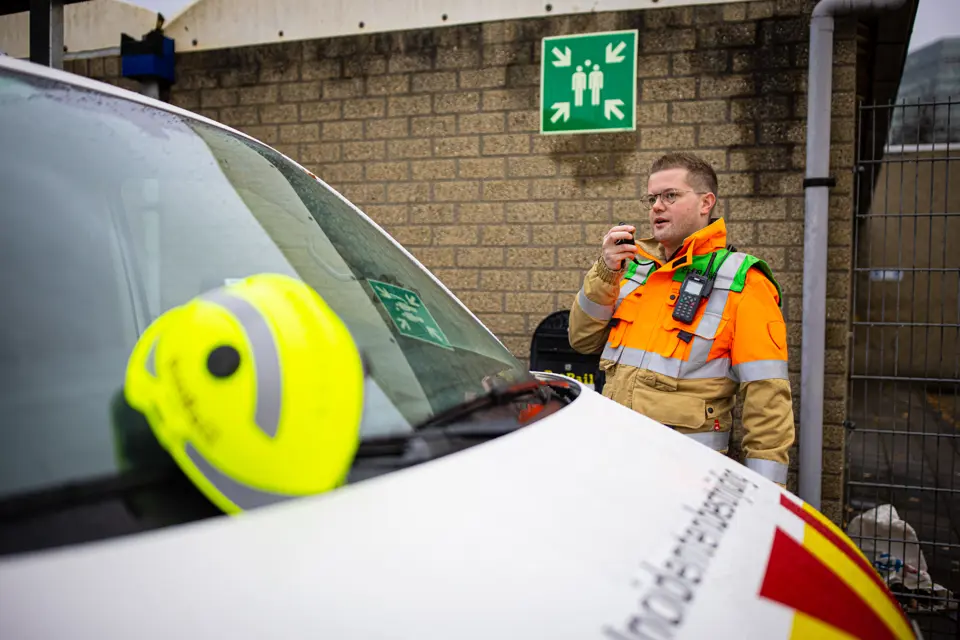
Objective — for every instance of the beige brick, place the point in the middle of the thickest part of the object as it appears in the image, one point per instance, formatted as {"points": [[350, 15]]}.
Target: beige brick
{"points": [[299, 132], [343, 172], [239, 116], [404, 62], [669, 89], [387, 171], [387, 128], [277, 113], [727, 135], [759, 159], [556, 280], [529, 212], [434, 257], [400, 149], [578, 257], [457, 235], [502, 55], [504, 280], [409, 105], [651, 113], [781, 233], [482, 168], [667, 137], [341, 89], [760, 10], [363, 150], [505, 235], [767, 108], [364, 193], [553, 235], [460, 279], [387, 213], [267, 134], [436, 81], [699, 111], [433, 169], [218, 98], [736, 184], [756, 208], [480, 301], [262, 94], [536, 303], [781, 183], [669, 40], [319, 69], [457, 102], [280, 73], [319, 111], [346, 130], [509, 99], [727, 86], [480, 212], [431, 213], [555, 189], [364, 108], [409, 192], [480, 257], [700, 62], [585, 165], [626, 141], [653, 66], [508, 144], [531, 166], [300, 91], [184, 99], [324, 152], [506, 190], [782, 132], [584, 211], [457, 58], [411, 235], [388, 85], [530, 258], [456, 191], [729, 35], [481, 123], [523, 76], [457, 146], [434, 126], [622, 187], [483, 78], [555, 145]]}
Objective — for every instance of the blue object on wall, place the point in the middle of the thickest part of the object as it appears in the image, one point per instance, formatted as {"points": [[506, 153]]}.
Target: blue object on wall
{"points": [[149, 59]]}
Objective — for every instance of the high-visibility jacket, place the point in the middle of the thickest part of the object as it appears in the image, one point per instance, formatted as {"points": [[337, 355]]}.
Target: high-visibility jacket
{"points": [[688, 376]]}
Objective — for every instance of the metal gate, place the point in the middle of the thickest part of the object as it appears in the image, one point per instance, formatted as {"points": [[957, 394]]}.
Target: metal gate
{"points": [[902, 475]]}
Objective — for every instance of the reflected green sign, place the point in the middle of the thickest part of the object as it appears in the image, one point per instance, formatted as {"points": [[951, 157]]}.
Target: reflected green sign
{"points": [[408, 313]]}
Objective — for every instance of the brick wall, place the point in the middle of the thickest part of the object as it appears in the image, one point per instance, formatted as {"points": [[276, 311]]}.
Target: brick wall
{"points": [[434, 133]]}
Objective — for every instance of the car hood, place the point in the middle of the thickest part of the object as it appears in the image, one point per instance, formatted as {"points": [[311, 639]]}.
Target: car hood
{"points": [[594, 522]]}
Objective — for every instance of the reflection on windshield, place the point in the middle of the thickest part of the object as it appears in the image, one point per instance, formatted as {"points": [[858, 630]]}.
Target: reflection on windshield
{"points": [[113, 213]]}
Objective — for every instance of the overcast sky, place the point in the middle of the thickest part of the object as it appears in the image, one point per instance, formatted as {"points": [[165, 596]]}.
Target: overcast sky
{"points": [[935, 18]]}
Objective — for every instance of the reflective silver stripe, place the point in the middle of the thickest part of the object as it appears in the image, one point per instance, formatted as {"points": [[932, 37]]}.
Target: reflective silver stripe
{"points": [[266, 358], [775, 471], [242, 495], [643, 270], [716, 440], [762, 370], [593, 309], [728, 270], [672, 367], [625, 290], [611, 353]]}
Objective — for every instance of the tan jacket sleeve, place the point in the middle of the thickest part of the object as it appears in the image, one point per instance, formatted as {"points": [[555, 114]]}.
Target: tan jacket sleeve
{"points": [[593, 307], [759, 355]]}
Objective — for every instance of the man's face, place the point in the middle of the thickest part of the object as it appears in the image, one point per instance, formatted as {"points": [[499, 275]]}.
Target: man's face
{"points": [[687, 214]]}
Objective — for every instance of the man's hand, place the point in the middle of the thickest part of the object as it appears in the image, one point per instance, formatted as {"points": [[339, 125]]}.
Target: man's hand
{"points": [[614, 254]]}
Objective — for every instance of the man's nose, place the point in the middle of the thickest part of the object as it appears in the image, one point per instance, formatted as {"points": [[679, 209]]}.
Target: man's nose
{"points": [[658, 205]]}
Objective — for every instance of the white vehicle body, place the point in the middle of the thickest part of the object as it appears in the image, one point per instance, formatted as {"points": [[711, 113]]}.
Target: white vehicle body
{"points": [[593, 522]]}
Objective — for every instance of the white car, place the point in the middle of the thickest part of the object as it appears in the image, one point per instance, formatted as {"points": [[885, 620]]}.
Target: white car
{"points": [[466, 514]]}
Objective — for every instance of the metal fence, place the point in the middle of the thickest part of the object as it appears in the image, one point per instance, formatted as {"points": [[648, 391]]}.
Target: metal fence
{"points": [[902, 474]]}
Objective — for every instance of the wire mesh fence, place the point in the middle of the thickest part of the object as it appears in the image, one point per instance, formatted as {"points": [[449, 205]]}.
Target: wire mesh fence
{"points": [[902, 475]]}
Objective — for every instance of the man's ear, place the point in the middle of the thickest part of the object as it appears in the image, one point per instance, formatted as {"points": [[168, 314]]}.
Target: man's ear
{"points": [[707, 203]]}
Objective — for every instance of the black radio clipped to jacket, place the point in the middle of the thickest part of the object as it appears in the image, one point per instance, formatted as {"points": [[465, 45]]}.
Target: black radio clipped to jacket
{"points": [[696, 287]]}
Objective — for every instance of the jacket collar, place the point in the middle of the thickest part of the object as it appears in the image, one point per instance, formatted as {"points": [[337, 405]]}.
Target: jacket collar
{"points": [[711, 238]]}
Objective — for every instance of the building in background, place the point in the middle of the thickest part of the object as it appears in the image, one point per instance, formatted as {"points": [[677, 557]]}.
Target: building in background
{"points": [[931, 77]]}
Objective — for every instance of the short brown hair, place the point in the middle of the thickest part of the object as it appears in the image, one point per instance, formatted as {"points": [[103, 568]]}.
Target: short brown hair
{"points": [[701, 175]]}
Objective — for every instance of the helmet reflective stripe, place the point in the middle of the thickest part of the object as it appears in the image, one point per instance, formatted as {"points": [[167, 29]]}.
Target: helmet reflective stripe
{"points": [[243, 496], [265, 357], [151, 363]]}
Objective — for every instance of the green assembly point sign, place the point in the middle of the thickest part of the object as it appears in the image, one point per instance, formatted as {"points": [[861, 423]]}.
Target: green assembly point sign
{"points": [[588, 83], [409, 314]]}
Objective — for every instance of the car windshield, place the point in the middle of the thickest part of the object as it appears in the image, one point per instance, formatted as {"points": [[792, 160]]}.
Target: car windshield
{"points": [[113, 212]]}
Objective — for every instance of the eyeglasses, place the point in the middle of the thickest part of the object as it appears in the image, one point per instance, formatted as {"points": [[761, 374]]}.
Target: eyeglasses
{"points": [[667, 197]]}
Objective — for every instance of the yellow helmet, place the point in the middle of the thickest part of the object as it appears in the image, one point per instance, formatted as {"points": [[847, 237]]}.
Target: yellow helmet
{"points": [[231, 386]]}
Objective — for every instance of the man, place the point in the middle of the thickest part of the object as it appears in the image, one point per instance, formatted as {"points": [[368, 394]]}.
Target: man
{"points": [[683, 322]]}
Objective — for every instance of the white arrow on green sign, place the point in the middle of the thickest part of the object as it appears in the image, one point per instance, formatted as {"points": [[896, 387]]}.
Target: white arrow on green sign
{"points": [[408, 313], [588, 83]]}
